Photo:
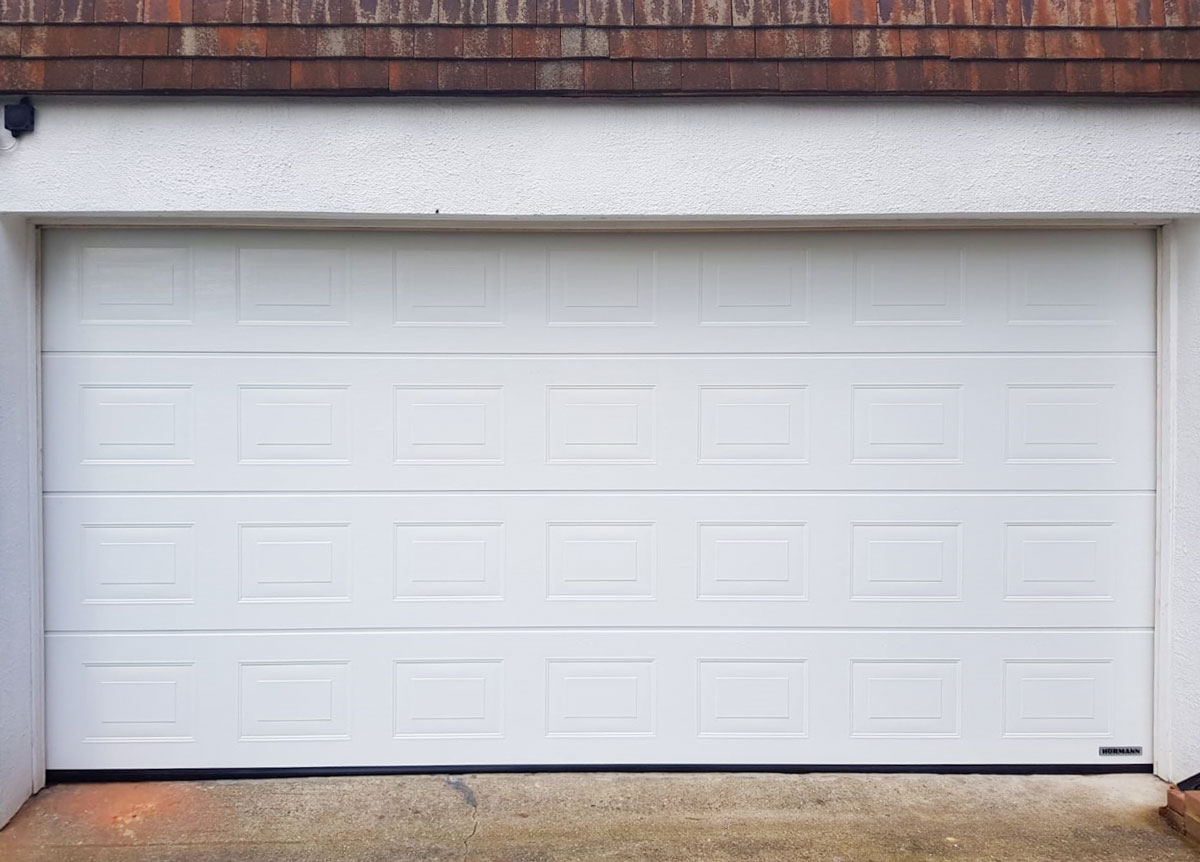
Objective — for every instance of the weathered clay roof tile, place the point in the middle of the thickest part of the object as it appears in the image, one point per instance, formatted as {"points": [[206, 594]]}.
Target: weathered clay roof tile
{"points": [[924, 47]]}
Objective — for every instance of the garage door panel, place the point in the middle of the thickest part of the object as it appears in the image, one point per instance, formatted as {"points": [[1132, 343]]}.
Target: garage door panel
{"points": [[362, 498], [419, 561], [268, 291], [224, 423], [159, 701]]}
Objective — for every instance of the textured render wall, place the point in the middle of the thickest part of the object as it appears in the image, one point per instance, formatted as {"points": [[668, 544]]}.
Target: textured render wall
{"points": [[1183, 635], [17, 767], [605, 157]]}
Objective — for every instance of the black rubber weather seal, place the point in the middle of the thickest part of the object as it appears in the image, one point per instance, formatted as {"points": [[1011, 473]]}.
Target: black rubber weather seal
{"points": [[72, 776], [1192, 783]]}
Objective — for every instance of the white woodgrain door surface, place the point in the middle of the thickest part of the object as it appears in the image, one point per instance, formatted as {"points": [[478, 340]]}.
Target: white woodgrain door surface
{"points": [[362, 498]]}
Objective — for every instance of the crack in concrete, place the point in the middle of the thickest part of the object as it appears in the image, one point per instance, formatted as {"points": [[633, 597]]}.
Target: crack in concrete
{"points": [[460, 786]]}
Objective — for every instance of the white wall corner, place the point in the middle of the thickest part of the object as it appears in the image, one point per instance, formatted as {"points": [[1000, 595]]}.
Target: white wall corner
{"points": [[1177, 700], [21, 772]]}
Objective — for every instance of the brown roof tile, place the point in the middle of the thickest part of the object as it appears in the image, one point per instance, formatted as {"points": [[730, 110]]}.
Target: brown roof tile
{"points": [[1094, 47]]}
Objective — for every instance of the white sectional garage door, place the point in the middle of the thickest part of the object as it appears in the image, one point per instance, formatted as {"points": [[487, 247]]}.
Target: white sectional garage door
{"points": [[350, 498]]}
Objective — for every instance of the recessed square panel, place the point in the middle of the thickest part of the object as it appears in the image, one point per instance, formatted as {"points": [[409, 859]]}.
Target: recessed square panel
{"points": [[907, 423], [600, 698], [1057, 286], [907, 561], [137, 424], [449, 697], [1058, 698], [292, 285], [600, 423], [449, 425], [905, 698], [295, 700], [758, 288], [294, 562], [132, 563], [459, 287], [1058, 561], [294, 424], [753, 698], [919, 284], [753, 561], [609, 560], [1061, 423], [600, 287], [754, 423], [135, 285], [138, 702], [449, 561]]}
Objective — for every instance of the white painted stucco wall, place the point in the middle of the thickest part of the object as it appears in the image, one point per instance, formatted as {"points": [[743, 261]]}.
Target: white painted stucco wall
{"points": [[19, 552], [725, 161], [1178, 696], [680, 157]]}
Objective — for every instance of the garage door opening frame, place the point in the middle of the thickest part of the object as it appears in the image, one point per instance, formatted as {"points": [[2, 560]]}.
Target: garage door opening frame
{"points": [[1177, 604]]}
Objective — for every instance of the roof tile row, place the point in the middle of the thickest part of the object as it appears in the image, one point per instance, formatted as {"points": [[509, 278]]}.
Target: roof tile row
{"points": [[413, 76], [110, 40], [618, 13]]}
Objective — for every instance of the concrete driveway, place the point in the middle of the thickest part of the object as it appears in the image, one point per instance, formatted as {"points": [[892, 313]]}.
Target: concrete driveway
{"points": [[560, 817]]}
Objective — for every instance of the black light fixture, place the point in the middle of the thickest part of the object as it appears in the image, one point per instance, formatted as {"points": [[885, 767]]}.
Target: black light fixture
{"points": [[18, 118]]}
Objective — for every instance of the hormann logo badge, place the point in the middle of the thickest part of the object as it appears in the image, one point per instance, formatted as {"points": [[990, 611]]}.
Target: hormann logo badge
{"points": [[1120, 750]]}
